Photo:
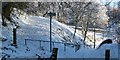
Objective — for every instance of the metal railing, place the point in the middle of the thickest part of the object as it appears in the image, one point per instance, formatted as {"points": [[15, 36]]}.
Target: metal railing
{"points": [[77, 46]]}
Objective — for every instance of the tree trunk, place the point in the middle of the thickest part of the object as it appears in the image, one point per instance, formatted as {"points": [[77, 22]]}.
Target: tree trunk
{"points": [[3, 21], [86, 29], [75, 29]]}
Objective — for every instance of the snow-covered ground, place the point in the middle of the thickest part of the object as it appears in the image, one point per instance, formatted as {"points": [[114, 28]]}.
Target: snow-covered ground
{"points": [[37, 28]]}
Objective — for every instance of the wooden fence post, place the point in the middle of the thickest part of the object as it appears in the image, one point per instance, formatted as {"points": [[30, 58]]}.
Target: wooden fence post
{"points": [[107, 54], [14, 37]]}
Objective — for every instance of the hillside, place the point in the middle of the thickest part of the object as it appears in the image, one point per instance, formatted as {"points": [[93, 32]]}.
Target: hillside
{"points": [[37, 28]]}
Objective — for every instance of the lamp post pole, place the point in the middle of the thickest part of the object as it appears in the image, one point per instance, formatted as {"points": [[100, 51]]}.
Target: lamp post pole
{"points": [[50, 33], [94, 35], [51, 14]]}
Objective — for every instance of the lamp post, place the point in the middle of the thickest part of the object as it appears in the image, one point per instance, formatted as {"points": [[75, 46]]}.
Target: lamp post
{"points": [[51, 14], [94, 35]]}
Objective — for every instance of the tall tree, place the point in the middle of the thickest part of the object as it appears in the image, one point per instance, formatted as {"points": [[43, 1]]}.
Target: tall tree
{"points": [[8, 9]]}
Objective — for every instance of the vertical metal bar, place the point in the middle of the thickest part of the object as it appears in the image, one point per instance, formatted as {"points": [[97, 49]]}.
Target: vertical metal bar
{"points": [[40, 44], [94, 36], [64, 46], [25, 42], [53, 44]]}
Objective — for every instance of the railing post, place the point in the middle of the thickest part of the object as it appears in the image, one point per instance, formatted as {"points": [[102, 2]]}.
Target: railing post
{"points": [[25, 42], [64, 46], [53, 44], [107, 54], [40, 44]]}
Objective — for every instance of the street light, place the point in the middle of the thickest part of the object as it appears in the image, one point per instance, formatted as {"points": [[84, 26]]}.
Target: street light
{"points": [[51, 14], [94, 34]]}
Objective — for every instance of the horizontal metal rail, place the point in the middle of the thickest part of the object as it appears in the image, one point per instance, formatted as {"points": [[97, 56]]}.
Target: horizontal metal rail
{"points": [[48, 41]]}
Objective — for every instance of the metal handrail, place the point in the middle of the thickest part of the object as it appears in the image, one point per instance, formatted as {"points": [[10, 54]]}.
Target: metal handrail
{"points": [[77, 46], [48, 41]]}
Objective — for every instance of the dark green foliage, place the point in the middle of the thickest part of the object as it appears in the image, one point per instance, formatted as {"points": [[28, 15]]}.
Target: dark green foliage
{"points": [[5, 13]]}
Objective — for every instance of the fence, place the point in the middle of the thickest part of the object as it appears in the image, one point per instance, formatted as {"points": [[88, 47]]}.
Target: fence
{"points": [[77, 46]]}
